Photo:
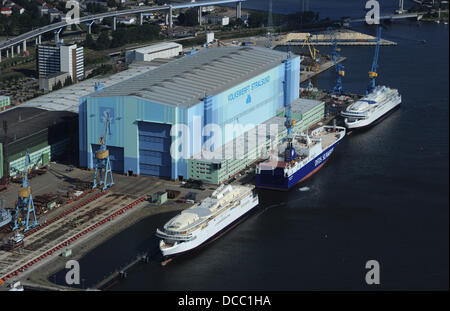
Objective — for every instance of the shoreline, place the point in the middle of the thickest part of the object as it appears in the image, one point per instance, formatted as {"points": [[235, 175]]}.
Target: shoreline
{"points": [[39, 279]]}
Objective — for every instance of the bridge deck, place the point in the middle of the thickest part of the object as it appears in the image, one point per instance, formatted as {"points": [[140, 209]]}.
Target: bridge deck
{"points": [[36, 32]]}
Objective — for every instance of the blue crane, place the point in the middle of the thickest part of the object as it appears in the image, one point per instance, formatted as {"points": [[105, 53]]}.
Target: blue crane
{"points": [[25, 204], [373, 72], [101, 157], [337, 89], [289, 152]]}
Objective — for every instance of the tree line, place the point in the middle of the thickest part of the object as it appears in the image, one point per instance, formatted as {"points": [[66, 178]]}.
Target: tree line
{"points": [[123, 36]]}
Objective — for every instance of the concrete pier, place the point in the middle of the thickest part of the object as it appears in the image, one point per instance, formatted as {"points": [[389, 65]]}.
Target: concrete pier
{"points": [[122, 272], [306, 75]]}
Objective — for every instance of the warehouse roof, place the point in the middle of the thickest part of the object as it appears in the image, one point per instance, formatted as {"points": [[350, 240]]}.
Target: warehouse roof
{"points": [[66, 99], [303, 105], [22, 121], [185, 81], [158, 47]]}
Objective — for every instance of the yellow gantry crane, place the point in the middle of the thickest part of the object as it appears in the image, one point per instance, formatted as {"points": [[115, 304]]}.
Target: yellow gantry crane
{"points": [[314, 53], [102, 160]]}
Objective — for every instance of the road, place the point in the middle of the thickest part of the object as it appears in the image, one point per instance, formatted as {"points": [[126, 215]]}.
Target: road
{"points": [[52, 27]]}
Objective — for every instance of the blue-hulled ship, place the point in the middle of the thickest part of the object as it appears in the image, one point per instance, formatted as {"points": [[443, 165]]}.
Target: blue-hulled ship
{"points": [[298, 158]]}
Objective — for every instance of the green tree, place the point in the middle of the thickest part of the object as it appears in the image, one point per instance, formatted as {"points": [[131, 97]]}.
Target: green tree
{"points": [[68, 81], [57, 86], [181, 18], [103, 41], [257, 19], [111, 3], [95, 8], [89, 42], [190, 18]]}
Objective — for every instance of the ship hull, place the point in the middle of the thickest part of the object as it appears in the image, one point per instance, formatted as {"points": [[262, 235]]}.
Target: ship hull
{"points": [[215, 229], [275, 179]]}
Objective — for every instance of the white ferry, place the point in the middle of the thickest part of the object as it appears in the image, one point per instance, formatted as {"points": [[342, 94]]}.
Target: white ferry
{"points": [[208, 220], [371, 108]]}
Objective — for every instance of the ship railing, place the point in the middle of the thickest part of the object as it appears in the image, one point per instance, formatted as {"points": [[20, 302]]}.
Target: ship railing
{"points": [[354, 114], [175, 237]]}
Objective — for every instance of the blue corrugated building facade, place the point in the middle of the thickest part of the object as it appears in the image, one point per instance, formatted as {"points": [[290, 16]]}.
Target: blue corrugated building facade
{"points": [[227, 85]]}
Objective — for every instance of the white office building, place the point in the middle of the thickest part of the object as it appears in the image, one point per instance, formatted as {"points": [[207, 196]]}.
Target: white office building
{"points": [[60, 58]]}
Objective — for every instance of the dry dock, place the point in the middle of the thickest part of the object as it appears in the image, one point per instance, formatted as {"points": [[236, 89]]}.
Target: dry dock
{"points": [[83, 225]]}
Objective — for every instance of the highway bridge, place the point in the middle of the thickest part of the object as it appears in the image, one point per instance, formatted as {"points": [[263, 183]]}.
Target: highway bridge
{"points": [[417, 16], [21, 40]]}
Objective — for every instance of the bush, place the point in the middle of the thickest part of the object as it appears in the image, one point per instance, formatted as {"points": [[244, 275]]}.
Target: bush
{"points": [[123, 36]]}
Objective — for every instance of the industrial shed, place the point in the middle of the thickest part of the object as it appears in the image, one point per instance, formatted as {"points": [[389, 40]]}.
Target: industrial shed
{"points": [[48, 135], [149, 53], [229, 85]]}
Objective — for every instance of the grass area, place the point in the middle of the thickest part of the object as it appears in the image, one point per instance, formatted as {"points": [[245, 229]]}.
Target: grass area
{"points": [[17, 60], [94, 60], [242, 33], [18, 71], [199, 40]]}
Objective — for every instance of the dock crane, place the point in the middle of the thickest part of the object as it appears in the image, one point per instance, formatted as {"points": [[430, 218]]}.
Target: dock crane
{"points": [[373, 74], [25, 204], [314, 53], [337, 89], [102, 161], [289, 152]]}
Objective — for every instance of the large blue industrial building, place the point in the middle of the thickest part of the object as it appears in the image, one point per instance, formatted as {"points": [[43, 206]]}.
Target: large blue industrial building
{"points": [[226, 85]]}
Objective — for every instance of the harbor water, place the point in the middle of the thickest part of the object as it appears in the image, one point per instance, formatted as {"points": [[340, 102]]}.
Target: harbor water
{"points": [[383, 195]]}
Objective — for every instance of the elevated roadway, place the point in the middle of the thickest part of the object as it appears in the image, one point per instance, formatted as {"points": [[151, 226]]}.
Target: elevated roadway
{"points": [[417, 16], [36, 33]]}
